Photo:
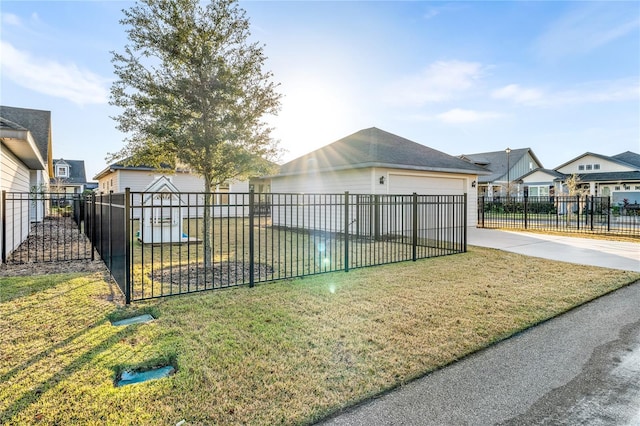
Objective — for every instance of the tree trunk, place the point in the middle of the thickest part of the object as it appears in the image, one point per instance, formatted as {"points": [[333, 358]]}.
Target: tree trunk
{"points": [[208, 225]]}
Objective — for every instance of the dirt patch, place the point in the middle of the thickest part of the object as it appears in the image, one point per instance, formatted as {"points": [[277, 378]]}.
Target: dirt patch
{"points": [[197, 276], [53, 246]]}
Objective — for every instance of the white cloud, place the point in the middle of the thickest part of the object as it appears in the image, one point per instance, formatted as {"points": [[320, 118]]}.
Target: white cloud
{"points": [[459, 115], [11, 19], [593, 92], [518, 94], [587, 27], [440, 81], [53, 78]]}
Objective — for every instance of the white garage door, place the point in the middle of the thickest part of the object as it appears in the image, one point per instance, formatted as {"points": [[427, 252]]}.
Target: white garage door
{"points": [[425, 185]]}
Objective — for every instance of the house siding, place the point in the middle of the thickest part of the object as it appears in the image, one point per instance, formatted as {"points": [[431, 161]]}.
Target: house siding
{"points": [[605, 166], [367, 181], [14, 177], [522, 167], [355, 181]]}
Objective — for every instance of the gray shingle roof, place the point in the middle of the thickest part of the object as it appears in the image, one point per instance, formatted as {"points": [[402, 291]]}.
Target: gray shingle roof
{"points": [[76, 171], [496, 162], [38, 122], [629, 158], [121, 165], [610, 177], [547, 171], [376, 148]]}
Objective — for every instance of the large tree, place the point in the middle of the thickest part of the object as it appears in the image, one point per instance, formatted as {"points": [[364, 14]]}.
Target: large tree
{"points": [[192, 89]]}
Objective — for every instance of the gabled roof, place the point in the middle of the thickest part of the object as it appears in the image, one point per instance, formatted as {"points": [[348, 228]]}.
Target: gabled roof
{"points": [[76, 170], [162, 184], [38, 122], [555, 174], [496, 162], [373, 147], [121, 166], [628, 159]]}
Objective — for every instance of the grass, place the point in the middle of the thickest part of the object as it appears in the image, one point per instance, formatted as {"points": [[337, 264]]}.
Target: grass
{"points": [[288, 352]]}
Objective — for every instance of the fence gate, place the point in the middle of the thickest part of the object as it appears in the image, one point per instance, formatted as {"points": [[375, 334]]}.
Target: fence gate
{"points": [[43, 227]]}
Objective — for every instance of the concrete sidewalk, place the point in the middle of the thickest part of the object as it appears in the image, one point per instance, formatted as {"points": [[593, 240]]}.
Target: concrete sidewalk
{"points": [[584, 251]]}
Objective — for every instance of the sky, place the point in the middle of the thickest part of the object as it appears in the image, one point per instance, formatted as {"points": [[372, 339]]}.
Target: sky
{"points": [[562, 78]]}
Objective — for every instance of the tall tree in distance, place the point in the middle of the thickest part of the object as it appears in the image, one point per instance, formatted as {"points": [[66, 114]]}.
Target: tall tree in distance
{"points": [[192, 89]]}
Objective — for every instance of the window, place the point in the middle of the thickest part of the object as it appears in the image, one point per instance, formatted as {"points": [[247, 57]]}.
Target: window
{"points": [[596, 167], [617, 188], [62, 171], [589, 166], [580, 167], [637, 187]]}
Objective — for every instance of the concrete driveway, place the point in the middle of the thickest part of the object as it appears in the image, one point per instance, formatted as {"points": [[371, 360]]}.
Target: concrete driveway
{"points": [[582, 367], [584, 251]]}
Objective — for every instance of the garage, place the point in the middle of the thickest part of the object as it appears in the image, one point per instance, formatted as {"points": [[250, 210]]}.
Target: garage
{"points": [[425, 185]]}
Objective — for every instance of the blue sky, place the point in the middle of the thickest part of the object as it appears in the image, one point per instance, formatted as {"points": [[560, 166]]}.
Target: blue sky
{"points": [[462, 77]]}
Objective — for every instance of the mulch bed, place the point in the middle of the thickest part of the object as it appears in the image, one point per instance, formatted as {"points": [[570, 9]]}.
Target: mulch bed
{"points": [[196, 276], [53, 246]]}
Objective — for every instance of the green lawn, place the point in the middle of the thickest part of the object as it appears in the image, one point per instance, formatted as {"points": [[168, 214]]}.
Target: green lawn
{"points": [[288, 352]]}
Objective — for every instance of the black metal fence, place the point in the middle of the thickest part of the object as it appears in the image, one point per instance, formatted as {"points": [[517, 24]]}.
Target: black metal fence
{"points": [[43, 227], [176, 243], [106, 226], [576, 214]]}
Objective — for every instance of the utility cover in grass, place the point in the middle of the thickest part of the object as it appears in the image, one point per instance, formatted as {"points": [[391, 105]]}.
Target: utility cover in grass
{"points": [[131, 377], [134, 320]]}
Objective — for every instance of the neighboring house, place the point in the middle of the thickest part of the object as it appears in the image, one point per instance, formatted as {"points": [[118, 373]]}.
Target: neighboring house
{"points": [[505, 169], [617, 176], [540, 182], [69, 176], [117, 177], [25, 166], [373, 161]]}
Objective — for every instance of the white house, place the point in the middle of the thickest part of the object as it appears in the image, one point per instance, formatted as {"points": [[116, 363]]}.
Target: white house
{"points": [[617, 176], [25, 166], [373, 161], [540, 182]]}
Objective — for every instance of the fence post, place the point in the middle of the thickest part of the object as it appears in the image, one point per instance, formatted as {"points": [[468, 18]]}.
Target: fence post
{"points": [[526, 208], [93, 225], [376, 217], [4, 226], [578, 218], [414, 226], [465, 222], [127, 244], [110, 232], [346, 231], [251, 242], [482, 210], [609, 212], [592, 212]]}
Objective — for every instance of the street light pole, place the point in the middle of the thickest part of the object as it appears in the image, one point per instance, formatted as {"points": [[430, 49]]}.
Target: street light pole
{"points": [[508, 151]]}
